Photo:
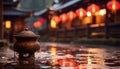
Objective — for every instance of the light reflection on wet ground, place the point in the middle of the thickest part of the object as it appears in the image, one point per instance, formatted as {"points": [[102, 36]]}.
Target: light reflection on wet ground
{"points": [[91, 57], [85, 56]]}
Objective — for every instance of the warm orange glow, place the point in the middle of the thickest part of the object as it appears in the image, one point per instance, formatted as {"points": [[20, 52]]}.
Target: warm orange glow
{"points": [[93, 8], [56, 19], [71, 15], [102, 12], [89, 60], [79, 67], [113, 5], [66, 62], [100, 19], [63, 17], [89, 13], [53, 24], [81, 13], [8, 24], [53, 51], [87, 20], [37, 24]]}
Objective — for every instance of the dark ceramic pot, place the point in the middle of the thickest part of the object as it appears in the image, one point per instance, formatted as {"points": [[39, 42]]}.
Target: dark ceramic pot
{"points": [[26, 42]]}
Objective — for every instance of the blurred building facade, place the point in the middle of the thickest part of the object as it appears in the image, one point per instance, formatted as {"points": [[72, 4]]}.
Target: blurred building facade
{"points": [[13, 19], [18, 14], [38, 16], [103, 23]]}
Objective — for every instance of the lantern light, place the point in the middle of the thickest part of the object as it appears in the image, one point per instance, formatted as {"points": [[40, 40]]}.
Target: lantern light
{"points": [[89, 13], [102, 12], [42, 20], [53, 24], [81, 12], [37, 24], [8, 24], [71, 15], [56, 19], [63, 17], [113, 5], [93, 8]]}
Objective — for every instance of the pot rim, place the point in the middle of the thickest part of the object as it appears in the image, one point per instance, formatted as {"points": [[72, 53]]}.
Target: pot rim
{"points": [[26, 36]]}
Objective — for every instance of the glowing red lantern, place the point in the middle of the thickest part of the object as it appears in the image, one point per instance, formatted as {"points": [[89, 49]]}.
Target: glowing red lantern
{"points": [[63, 17], [113, 5], [42, 20], [37, 24], [93, 8], [71, 15], [56, 19], [81, 12]]}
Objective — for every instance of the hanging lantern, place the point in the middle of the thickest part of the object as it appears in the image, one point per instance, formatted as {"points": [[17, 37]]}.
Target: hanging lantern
{"points": [[93, 8], [102, 12], [8, 24], [81, 13], [56, 19], [53, 24], [37, 24], [71, 15], [63, 18], [42, 20], [113, 5], [89, 14]]}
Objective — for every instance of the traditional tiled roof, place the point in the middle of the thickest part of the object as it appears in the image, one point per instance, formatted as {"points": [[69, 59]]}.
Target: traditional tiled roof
{"points": [[57, 7], [14, 13]]}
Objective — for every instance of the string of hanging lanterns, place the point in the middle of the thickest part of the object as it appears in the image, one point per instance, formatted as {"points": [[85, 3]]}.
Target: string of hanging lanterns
{"points": [[71, 15], [112, 5]]}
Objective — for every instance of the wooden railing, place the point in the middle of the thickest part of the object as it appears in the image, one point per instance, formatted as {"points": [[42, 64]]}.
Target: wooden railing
{"points": [[89, 31]]}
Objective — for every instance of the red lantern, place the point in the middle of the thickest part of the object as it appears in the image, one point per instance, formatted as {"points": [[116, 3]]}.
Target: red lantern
{"points": [[93, 8], [37, 24], [113, 5], [63, 17], [81, 12], [56, 19], [42, 20], [71, 15]]}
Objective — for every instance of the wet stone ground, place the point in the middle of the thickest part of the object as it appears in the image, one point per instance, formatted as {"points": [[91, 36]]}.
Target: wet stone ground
{"points": [[66, 56]]}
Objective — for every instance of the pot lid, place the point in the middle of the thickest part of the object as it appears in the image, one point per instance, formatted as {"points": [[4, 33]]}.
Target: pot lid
{"points": [[26, 33]]}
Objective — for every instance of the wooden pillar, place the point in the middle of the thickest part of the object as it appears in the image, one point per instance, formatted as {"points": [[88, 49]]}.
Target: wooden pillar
{"points": [[1, 20], [93, 19]]}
